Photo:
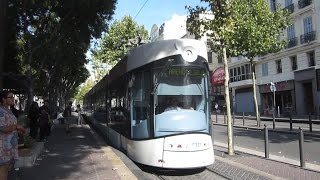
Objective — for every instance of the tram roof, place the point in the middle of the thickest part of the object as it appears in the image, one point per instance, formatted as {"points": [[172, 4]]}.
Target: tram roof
{"points": [[157, 50], [150, 52]]}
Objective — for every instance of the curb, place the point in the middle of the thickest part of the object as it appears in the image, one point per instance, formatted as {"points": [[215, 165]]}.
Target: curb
{"points": [[273, 130], [246, 168], [279, 159]]}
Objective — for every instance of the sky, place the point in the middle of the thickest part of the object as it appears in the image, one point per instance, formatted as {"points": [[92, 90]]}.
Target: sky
{"points": [[154, 11]]}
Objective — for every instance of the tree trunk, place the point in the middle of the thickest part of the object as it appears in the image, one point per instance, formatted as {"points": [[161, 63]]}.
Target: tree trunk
{"points": [[29, 77], [227, 99], [255, 93], [3, 28]]}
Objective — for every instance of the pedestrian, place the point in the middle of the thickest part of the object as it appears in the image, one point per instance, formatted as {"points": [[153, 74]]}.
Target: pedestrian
{"points": [[79, 114], [8, 134], [67, 116], [33, 116], [44, 121]]}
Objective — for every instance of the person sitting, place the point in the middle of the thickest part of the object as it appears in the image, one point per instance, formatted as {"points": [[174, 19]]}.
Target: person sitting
{"points": [[173, 105]]}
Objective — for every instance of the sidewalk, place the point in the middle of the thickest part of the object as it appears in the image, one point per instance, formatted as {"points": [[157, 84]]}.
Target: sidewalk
{"points": [[266, 168], [82, 154], [78, 155]]}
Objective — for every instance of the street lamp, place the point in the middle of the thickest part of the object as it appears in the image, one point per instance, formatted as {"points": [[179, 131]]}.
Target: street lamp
{"points": [[273, 89]]}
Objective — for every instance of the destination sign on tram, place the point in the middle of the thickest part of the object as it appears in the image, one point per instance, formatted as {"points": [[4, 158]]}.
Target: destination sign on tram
{"points": [[184, 72]]}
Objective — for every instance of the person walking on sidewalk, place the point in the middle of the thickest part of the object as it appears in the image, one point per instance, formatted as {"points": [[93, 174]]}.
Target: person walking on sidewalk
{"points": [[79, 114], [33, 116], [44, 121], [8, 134], [67, 116]]}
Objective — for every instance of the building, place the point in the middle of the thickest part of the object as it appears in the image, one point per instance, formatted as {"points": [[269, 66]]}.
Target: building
{"points": [[176, 28], [294, 70]]}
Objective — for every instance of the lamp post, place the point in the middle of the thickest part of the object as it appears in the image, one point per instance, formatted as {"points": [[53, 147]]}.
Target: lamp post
{"points": [[273, 89]]}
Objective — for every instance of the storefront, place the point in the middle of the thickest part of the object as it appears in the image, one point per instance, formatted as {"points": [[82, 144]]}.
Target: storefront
{"points": [[217, 83], [284, 98]]}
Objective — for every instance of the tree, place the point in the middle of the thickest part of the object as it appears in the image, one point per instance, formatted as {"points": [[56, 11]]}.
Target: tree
{"points": [[122, 35], [239, 28], [84, 90], [53, 37], [257, 31], [217, 27]]}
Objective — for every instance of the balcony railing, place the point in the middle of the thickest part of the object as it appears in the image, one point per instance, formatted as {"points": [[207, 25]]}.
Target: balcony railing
{"points": [[304, 3], [292, 42], [305, 38], [290, 8]]}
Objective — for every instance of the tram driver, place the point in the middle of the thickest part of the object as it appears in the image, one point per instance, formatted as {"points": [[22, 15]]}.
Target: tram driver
{"points": [[173, 105]]}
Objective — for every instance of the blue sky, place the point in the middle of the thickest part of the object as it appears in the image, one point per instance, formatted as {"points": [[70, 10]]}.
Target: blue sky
{"points": [[154, 11]]}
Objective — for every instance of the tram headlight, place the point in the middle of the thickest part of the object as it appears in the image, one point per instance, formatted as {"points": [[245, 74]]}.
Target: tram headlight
{"points": [[189, 54]]}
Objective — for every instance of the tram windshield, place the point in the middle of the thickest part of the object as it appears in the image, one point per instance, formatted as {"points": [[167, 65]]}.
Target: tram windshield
{"points": [[181, 100]]}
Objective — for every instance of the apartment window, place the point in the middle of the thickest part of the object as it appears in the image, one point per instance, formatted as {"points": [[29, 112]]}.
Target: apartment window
{"points": [[239, 74], [289, 6], [273, 5], [279, 66], [265, 69], [307, 24], [310, 56], [243, 72], [293, 60], [210, 57], [231, 75], [291, 32], [248, 71], [220, 59], [304, 3], [288, 3]]}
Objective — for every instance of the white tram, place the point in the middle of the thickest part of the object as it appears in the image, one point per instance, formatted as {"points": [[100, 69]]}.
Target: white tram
{"points": [[133, 100]]}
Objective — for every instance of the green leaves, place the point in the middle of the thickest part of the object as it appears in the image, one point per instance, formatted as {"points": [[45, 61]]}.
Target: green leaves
{"points": [[52, 37], [243, 27], [122, 35]]}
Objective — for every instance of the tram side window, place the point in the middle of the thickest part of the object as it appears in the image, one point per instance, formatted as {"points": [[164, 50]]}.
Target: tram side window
{"points": [[140, 105]]}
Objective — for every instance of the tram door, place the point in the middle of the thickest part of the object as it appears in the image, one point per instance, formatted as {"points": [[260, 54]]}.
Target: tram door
{"points": [[140, 105]]}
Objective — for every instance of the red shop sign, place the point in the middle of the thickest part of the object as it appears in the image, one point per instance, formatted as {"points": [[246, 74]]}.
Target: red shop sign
{"points": [[217, 77]]}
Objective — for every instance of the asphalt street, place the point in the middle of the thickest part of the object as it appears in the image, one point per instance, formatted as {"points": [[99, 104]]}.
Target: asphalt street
{"points": [[281, 144]]}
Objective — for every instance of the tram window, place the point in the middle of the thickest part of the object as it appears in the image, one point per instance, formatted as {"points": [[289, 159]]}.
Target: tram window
{"points": [[140, 105]]}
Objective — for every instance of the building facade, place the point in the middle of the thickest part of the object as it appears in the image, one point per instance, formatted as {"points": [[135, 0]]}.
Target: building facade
{"points": [[294, 70]]}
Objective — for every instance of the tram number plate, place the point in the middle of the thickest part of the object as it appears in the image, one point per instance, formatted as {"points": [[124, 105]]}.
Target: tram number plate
{"points": [[196, 145]]}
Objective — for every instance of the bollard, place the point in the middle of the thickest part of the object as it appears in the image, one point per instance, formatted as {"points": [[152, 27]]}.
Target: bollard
{"points": [[290, 122], [216, 116], [233, 117], [242, 118], [224, 117], [273, 120], [301, 141], [310, 123], [233, 141], [266, 142]]}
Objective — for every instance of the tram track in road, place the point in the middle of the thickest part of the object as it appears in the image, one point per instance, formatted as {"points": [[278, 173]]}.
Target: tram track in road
{"points": [[200, 174]]}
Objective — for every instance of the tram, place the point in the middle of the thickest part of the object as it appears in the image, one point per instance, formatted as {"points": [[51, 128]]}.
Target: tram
{"points": [[134, 102]]}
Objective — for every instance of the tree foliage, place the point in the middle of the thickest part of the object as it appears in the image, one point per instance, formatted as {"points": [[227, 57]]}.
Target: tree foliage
{"points": [[83, 90], [122, 35], [238, 27], [247, 29], [50, 38]]}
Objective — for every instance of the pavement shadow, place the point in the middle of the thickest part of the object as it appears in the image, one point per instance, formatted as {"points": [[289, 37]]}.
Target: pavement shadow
{"points": [[65, 156]]}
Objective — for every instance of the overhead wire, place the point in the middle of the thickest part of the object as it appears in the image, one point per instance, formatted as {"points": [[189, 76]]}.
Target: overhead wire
{"points": [[141, 9]]}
